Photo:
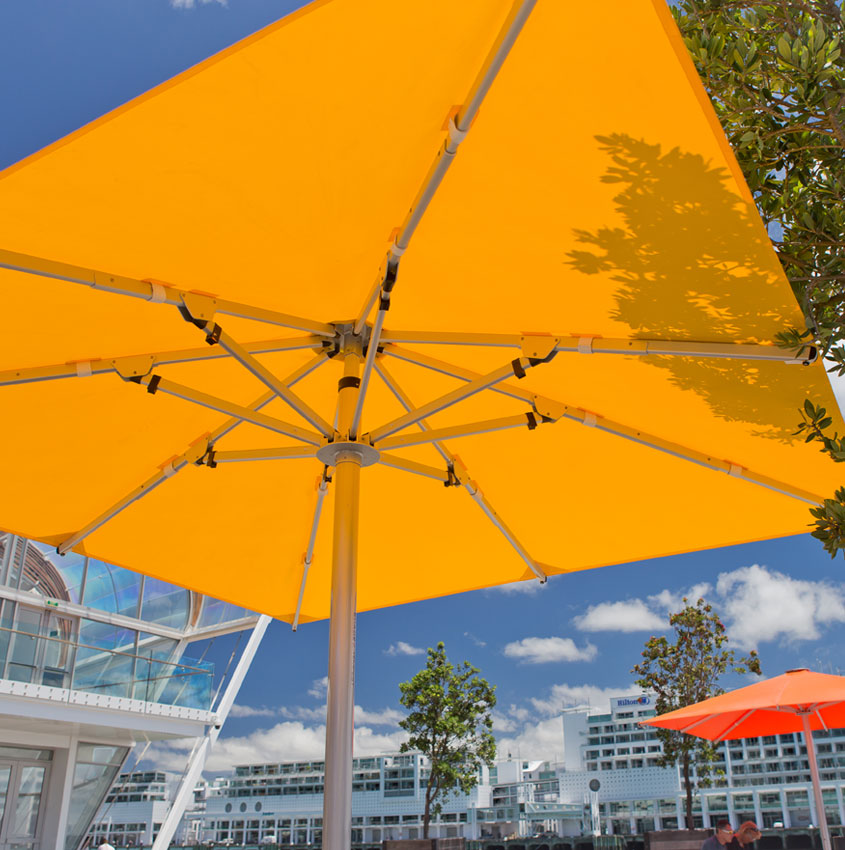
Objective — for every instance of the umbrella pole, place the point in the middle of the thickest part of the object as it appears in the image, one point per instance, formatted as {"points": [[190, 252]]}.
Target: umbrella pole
{"points": [[817, 788], [337, 789]]}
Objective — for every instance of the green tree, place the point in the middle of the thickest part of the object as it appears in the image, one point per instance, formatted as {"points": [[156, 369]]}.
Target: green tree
{"points": [[684, 672], [775, 72], [450, 723]]}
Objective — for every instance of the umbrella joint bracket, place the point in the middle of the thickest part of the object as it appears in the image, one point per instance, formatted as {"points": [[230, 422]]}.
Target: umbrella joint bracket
{"points": [[197, 312], [134, 368], [547, 409], [536, 349], [207, 457]]}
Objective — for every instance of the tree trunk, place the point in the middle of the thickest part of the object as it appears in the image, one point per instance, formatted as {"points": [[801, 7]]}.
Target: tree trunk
{"points": [[688, 789], [427, 812]]}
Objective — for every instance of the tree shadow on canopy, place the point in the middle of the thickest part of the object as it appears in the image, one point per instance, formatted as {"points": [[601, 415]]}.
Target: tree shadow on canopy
{"points": [[692, 263]]}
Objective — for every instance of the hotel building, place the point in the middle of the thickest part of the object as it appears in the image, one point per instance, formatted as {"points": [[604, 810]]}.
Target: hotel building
{"points": [[765, 779]]}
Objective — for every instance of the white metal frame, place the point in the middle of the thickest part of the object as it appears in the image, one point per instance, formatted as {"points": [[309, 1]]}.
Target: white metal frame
{"points": [[204, 745]]}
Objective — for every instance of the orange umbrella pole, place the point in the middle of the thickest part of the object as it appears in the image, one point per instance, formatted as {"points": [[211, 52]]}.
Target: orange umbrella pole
{"points": [[337, 794], [814, 772]]}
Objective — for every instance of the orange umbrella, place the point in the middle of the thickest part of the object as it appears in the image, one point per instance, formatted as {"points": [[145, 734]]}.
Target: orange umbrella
{"points": [[797, 701]]}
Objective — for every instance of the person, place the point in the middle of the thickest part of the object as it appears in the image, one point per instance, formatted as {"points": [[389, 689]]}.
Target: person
{"points": [[746, 835], [721, 838], [105, 846]]}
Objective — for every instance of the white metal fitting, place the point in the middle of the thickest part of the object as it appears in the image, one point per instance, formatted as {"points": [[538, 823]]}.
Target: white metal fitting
{"points": [[456, 136], [333, 453]]}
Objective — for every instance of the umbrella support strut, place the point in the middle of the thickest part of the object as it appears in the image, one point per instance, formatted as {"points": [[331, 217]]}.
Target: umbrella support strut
{"points": [[817, 789]]}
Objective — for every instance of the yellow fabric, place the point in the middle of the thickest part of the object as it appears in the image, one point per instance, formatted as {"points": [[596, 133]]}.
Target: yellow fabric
{"points": [[594, 194]]}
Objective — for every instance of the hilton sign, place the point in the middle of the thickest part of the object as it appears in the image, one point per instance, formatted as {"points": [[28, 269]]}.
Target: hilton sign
{"points": [[634, 701]]}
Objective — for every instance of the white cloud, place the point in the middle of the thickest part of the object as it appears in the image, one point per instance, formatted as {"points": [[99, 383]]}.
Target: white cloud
{"points": [[402, 648], [578, 696], [249, 711], [502, 723], [632, 615], [540, 740], [290, 740], [670, 601], [518, 713], [755, 603], [474, 639], [190, 4], [385, 717], [536, 650], [319, 688], [528, 587], [761, 605]]}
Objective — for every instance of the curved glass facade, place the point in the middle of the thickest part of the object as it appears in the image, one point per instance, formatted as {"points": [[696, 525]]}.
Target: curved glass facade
{"points": [[78, 623]]}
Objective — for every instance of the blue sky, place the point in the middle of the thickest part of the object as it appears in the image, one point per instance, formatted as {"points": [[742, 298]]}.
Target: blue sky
{"points": [[572, 641]]}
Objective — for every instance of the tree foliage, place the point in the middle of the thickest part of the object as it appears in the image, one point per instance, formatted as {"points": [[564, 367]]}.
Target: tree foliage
{"points": [[775, 72], [684, 672], [450, 722]]}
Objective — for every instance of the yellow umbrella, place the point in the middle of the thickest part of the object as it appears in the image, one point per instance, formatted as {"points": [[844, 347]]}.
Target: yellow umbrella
{"points": [[592, 258]]}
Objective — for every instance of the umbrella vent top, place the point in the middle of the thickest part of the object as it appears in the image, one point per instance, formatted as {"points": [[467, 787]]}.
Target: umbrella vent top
{"points": [[798, 670]]}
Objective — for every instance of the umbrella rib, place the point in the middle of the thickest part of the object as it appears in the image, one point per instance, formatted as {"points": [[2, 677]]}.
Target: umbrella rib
{"points": [[155, 383], [458, 124], [98, 366], [405, 401], [723, 736], [610, 426], [602, 345], [322, 486], [457, 474], [154, 291], [461, 475], [241, 455], [372, 349], [215, 334], [520, 420], [517, 367], [196, 452], [417, 468], [694, 724]]}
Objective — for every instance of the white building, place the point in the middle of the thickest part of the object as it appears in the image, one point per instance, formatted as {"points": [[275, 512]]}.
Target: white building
{"points": [[765, 779], [285, 801], [93, 660]]}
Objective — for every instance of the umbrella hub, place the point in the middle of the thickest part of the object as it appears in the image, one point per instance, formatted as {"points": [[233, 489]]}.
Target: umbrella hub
{"points": [[346, 339], [329, 453]]}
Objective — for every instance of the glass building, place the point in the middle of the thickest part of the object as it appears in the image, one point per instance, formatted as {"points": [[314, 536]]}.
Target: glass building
{"points": [[93, 658]]}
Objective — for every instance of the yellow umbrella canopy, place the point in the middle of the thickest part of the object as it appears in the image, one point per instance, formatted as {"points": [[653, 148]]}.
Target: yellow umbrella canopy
{"points": [[592, 250]]}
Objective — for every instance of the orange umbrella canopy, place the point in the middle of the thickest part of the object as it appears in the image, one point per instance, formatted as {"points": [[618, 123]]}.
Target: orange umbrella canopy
{"points": [[594, 229], [774, 706]]}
